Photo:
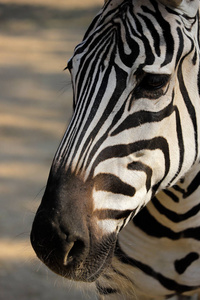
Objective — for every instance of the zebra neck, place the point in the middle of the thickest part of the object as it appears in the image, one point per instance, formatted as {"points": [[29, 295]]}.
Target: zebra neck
{"points": [[179, 205], [172, 211], [188, 188]]}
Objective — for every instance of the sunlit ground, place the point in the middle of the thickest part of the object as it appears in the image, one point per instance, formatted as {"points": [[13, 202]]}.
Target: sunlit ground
{"points": [[36, 40]]}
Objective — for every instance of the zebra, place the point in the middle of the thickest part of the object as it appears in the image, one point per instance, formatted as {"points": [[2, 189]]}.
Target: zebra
{"points": [[121, 207]]}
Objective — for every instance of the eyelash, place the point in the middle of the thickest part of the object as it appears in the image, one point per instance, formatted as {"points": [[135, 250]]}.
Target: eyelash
{"points": [[151, 85], [153, 82]]}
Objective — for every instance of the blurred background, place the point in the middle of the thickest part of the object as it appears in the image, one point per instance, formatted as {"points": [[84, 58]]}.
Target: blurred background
{"points": [[36, 40]]}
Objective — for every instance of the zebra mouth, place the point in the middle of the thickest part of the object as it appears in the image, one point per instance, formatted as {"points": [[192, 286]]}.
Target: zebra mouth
{"points": [[74, 260], [85, 271]]}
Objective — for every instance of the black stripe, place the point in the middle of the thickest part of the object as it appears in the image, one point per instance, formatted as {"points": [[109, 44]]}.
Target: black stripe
{"points": [[112, 183], [100, 141], [128, 59], [125, 150], [142, 117], [92, 113], [180, 144], [181, 45], [173, 216], [88, 97], [147, 223], [168, 283], [95, 49], [76, 121], [187, 100], [182, 264], [166, 30], [121, 78], [154, 33], [178, 188], [115, 214], [171, 195], [193, 186], [198, 80], [149, 55], [138, 166]]}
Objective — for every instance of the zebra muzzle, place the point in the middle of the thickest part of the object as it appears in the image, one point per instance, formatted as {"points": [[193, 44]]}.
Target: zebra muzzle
{"points": [[66, 238]]}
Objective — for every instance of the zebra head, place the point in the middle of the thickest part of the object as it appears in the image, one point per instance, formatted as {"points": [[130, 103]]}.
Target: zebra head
{"points": [[134, 130]]}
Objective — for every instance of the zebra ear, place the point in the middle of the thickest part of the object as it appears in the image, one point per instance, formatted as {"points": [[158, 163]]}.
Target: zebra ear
{"points": [[187, 7]]}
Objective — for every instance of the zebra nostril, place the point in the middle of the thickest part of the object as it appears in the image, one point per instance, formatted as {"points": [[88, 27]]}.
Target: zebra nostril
{"points": [[68, 257], [73, 244], [73, 250]]}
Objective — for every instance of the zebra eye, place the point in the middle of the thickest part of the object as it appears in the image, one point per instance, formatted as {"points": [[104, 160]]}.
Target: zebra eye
{"points": [[150, 85], [153, 82]]}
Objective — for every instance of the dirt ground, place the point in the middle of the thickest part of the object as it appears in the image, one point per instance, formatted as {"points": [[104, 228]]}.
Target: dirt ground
{"points": [[36, 40]]}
